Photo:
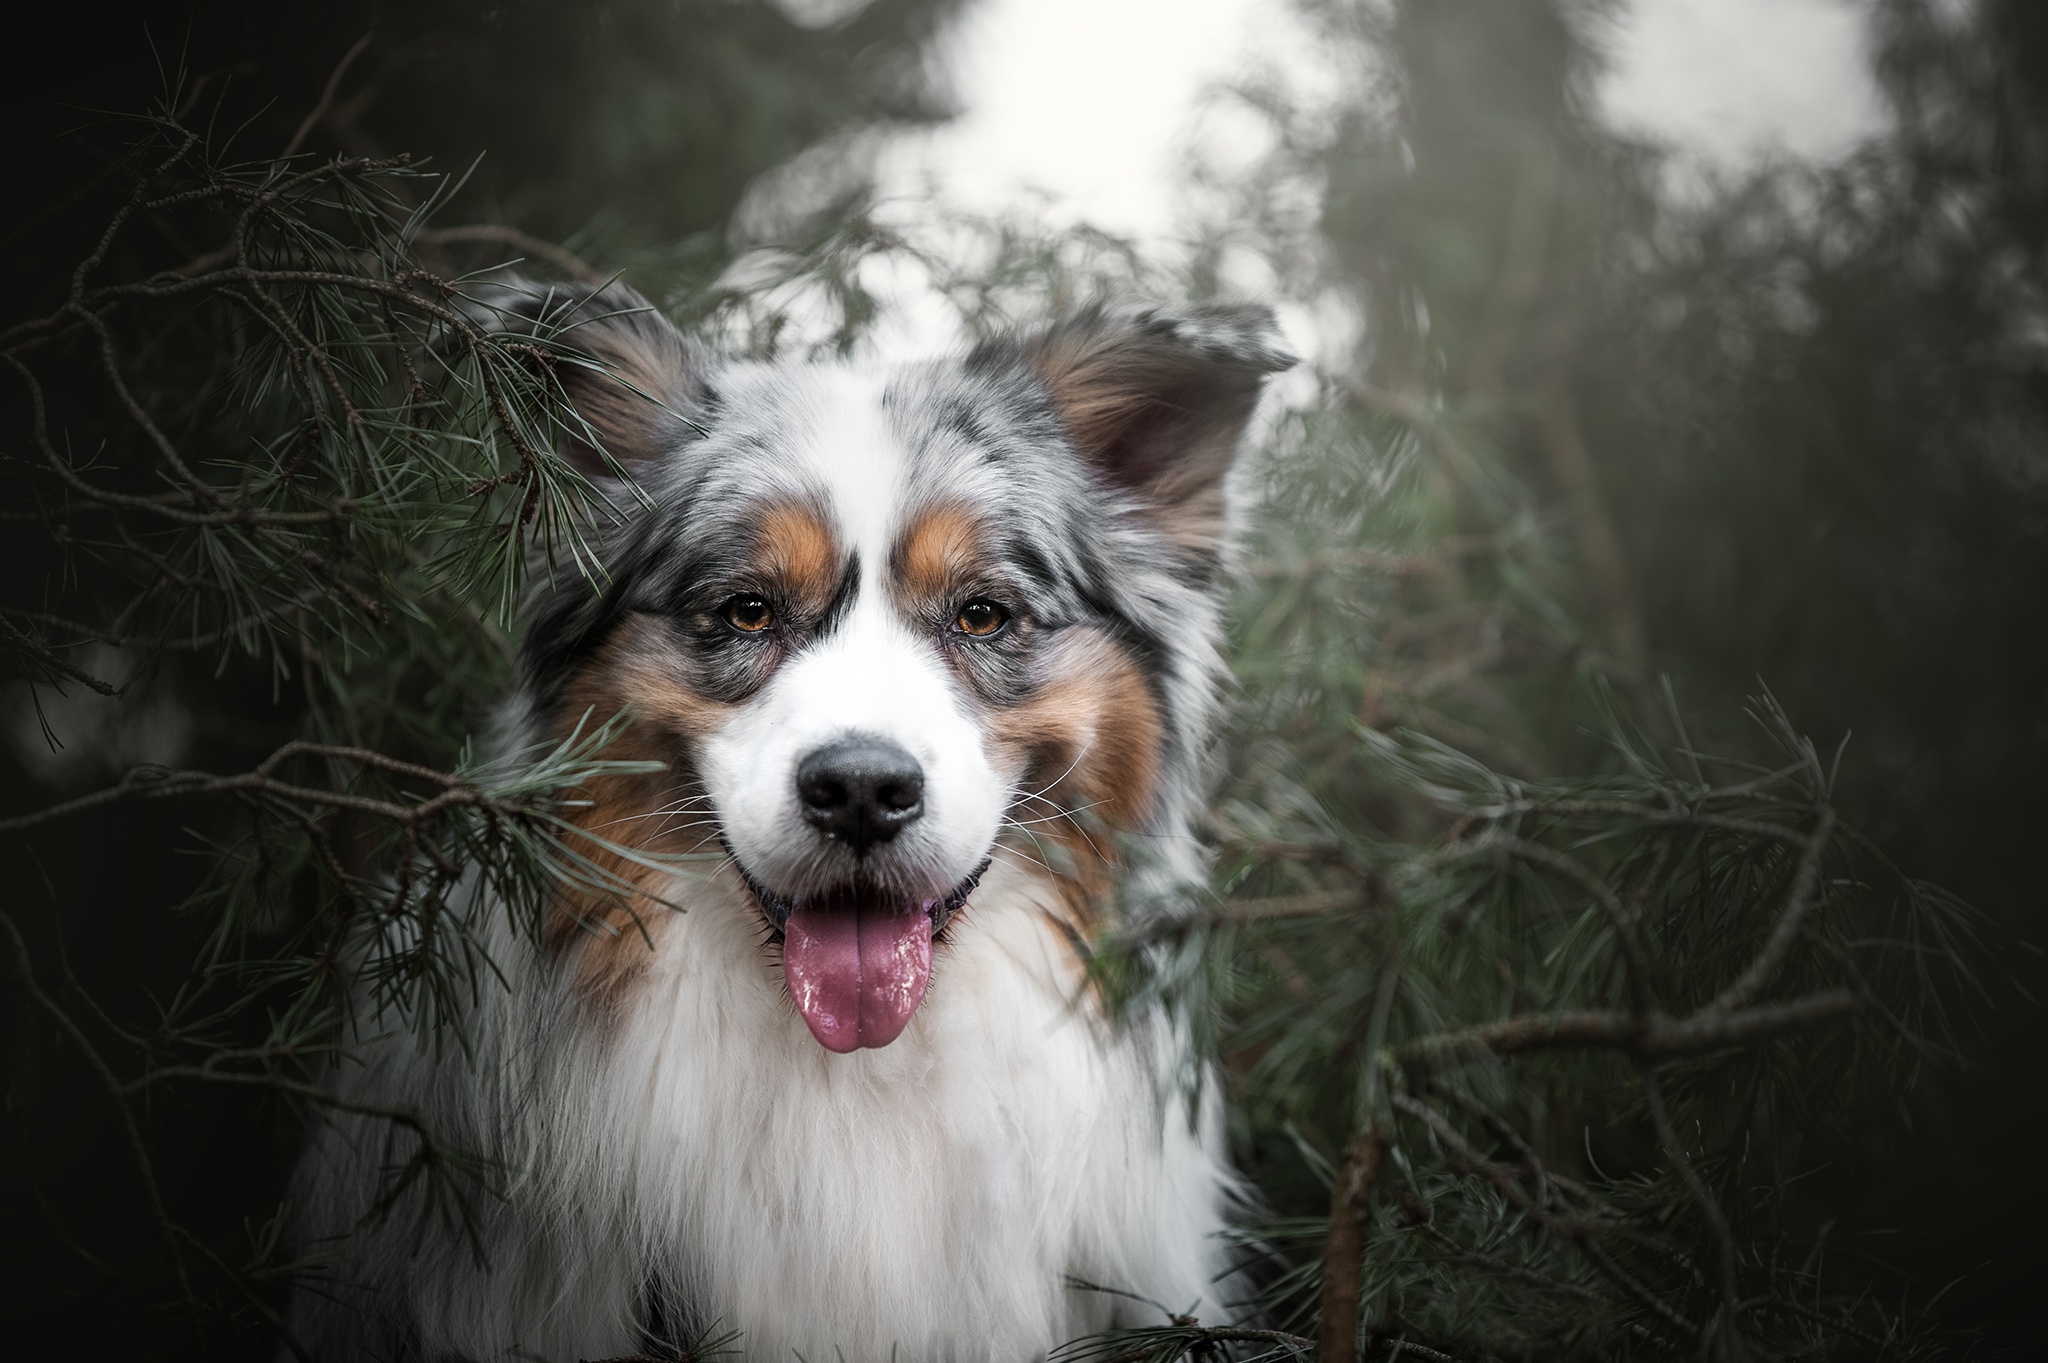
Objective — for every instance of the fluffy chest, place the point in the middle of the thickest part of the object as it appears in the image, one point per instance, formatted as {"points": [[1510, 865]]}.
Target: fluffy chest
{"points": [[813, 1197]]}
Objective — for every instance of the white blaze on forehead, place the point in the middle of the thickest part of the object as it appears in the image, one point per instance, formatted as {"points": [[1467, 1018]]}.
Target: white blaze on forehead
{"points": [[852, 452]]}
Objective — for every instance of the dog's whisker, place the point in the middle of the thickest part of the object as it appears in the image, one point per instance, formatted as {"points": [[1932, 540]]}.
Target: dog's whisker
{"points": [[999, 849], [1067, 814], [1079, 828], [1039, 845], [1079, 757]]}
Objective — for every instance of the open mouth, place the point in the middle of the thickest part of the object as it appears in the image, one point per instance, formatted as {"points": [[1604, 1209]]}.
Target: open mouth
{"points": [[856, 959]]}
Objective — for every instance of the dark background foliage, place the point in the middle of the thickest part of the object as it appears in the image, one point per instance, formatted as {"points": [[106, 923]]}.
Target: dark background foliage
{"points": [[1810, 413], [1789, 430], [1796, 424]]}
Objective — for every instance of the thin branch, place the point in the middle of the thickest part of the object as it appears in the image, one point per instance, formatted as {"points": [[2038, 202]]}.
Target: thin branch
{"points": [[242, 514], [1654, 1037], [1730, 1335], [1572, 869], [145, 1169], [1187, 1337], [1344, 1249], [564, 260], [1467, 1157], [1351, 1194], [1650, 814], [1579, 1229], [1493, 1263], [1797, 901], [1312, 904], [1401, 1348], [319, 111], [1435, 559], [1642, 1295], [41, 652], [151, 783]]}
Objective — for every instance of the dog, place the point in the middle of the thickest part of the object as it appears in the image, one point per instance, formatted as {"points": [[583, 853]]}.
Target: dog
{"points": [[925, 659]]}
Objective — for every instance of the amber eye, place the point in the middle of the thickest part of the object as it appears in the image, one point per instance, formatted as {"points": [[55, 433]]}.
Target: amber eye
{"points": [[748, 614], [981, 618]]}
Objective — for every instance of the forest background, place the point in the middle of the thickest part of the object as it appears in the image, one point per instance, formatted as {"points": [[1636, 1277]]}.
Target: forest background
{"points": [[1593, 448]]}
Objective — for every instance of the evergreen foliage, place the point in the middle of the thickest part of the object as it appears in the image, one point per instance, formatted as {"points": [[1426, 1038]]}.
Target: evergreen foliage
{"points": [[1533, 1011]]}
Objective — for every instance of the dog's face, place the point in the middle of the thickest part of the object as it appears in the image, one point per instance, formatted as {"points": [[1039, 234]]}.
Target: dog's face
{"points": [[883, 628]]}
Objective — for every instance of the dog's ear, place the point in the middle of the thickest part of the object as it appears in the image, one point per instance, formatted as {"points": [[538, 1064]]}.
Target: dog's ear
{"points": [[629, 378], [1157, 402]]}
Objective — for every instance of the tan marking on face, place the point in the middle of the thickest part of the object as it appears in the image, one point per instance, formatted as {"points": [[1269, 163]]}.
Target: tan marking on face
{"points": [[796, 556], [607, 931], [1089, 742], [938, 554]]}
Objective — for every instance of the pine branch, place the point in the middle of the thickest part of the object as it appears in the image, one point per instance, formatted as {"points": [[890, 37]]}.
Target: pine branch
{"points": [[1724, 1330], [1768, 961], [1654, 1037]]}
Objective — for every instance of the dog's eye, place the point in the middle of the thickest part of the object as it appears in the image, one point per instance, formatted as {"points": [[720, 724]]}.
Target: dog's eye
{"points": [[748, 614], [981, 618]]}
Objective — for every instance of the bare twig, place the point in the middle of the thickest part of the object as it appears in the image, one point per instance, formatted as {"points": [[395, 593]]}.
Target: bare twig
{"points": [[145, 1168], [319, 111], [1576, 871], [1351, 1194], [1439, 557], [1797, 901], [151, 783], [1650, 814], [42, 653], [1493, 1263], [1653, 1037], [1310, 905], [1463, 1153], [1188, 1337], [1641, 1295], [1579, 1229], [568, 262], [1344, 1249], [1729, 1336], [1401, 1348]]}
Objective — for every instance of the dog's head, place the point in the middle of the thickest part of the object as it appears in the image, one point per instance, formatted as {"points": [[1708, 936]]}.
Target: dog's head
{"points": [[882, 627]]}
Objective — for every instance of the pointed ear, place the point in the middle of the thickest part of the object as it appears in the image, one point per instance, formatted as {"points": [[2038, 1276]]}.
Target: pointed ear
{"points": [[629, 378], [1157, 402]]}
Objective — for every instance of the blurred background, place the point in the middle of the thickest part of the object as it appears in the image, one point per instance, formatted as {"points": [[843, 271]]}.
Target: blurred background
{"points": [[1742, 304]]}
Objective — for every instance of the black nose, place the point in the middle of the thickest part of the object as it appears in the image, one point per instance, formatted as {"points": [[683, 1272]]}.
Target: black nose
{"points": [[860, 791]]}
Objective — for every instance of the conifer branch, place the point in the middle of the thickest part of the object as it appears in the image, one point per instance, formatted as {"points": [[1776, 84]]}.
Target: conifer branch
{"points": [[1618, 916], [1343, 1252], [568, 262], [42, 653], [1724, 1330], [1797, 901], [1580, 1230], [1654, 1037]]}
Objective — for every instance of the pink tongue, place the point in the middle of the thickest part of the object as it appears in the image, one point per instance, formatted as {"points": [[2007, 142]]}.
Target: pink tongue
{"points": [[856, 967]]}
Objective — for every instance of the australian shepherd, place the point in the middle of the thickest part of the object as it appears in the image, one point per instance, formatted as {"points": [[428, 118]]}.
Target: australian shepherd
{"points": [[927, 655]]}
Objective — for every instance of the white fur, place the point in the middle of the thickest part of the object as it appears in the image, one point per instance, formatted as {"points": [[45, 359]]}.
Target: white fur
{"points": [[927, 1200]]}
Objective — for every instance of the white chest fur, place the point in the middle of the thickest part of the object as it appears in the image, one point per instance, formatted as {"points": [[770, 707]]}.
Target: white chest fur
{"points": [[929, 1200]]}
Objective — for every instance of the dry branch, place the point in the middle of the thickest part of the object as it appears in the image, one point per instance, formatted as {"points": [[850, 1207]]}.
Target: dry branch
{"points": [[1344, 1249], [1655, 1037], [1804, 879]]}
